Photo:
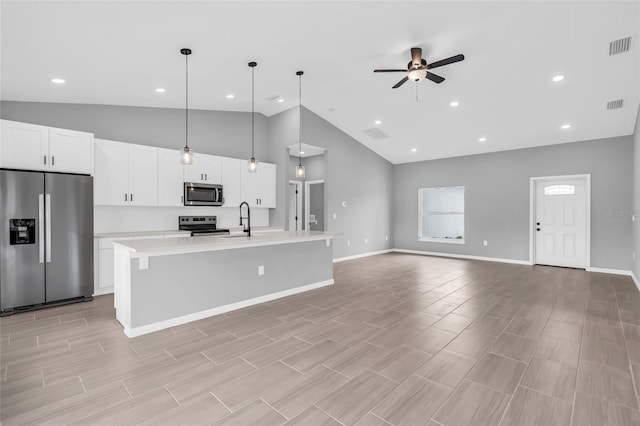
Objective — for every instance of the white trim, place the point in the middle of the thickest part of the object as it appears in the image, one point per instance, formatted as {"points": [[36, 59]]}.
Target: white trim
{"points": [[463, 256], [532, 213], [161, 325], [442, 240], [298, 184], [307, 185], [610, 271], [358, 256], [103, 290]]}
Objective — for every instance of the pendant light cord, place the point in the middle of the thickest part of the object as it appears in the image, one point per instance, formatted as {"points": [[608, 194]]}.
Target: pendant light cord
{"points": [[253, 115], [186, 101], [300, 125]]}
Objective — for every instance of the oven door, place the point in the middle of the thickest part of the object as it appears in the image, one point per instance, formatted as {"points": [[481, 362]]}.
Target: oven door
{"points": [[202, 194]]}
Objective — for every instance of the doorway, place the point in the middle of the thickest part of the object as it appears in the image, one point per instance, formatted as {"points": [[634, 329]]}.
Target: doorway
{"points": [[314, 205], [295, 205], [560, 221]]}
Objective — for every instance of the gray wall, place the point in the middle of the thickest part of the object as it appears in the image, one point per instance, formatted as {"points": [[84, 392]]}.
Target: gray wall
{"points": [[636, 196], [497, 198], [354, 174], [211, 132]]}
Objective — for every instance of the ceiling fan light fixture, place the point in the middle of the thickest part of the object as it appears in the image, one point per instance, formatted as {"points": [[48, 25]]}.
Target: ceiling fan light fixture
{"points": [[417, 75]]}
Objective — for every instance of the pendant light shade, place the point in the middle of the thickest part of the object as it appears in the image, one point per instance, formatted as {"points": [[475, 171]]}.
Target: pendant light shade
{"points": [[186, 153], [300, 168], [252, 163]]}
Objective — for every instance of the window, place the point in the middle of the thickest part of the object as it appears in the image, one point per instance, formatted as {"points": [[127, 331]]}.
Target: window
{"points": [[441, 214], [560, 190]]}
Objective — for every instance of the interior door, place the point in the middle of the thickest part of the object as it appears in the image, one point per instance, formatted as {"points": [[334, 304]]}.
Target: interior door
{"points": [[561, 223], [316, 207]]}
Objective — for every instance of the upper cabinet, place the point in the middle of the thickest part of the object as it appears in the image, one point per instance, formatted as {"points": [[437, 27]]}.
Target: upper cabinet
{"points": [[125, 174], [34, 147], [230, 179], [205, 169], [170, 187], [259, 189]]}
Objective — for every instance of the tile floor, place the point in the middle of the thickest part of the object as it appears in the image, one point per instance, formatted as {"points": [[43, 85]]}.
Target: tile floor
{"points": [[399, 339]]}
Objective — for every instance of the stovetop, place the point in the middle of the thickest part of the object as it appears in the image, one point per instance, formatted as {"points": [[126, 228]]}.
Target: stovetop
{"points": [[200, 225]]}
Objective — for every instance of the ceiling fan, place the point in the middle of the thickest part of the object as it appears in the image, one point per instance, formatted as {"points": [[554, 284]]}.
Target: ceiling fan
{"points": [[418, 68]]}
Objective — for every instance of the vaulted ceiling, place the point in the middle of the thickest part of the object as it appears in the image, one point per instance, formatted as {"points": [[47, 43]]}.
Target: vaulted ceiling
{"points": [[119, 53]]}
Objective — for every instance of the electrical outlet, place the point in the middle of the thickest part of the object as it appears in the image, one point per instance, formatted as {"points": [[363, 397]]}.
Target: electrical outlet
{"points": [[344, 204], [633, 255], [261, 270], [348, 243], [335, 216], [485, 243], [366, 240], [386, 238], [633, 218]]}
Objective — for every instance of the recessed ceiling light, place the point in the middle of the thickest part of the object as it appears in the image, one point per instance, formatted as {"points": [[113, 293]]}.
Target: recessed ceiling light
{"points": [[280, 100], [414, 149], [565, 126], [378, 122], [559, 77], [230, 96], [482, 140], [57, 80], [160, 90], [301, 152], [454, 104]]}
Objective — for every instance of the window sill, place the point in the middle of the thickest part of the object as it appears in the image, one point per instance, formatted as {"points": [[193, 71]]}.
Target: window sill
{"points": [[441, 240]]}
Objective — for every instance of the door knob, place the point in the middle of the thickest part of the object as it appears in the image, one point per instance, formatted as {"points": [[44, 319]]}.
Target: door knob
{"points": [[537, 229], [538, 223]]}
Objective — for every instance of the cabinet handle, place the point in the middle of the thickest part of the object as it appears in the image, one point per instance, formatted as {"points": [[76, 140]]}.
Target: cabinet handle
{"points": [[53, 160], [45, 159], [125, 197], [131, 197], [201, 176], [205, 176], [181, 199]]}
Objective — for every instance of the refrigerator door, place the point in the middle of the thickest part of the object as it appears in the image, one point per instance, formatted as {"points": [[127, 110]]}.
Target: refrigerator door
{"points": [[22, 266], [69, 250]]}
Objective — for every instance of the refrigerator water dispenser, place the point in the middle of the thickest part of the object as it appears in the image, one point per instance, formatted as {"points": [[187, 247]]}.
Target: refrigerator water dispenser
{"points": [[22, 231]]}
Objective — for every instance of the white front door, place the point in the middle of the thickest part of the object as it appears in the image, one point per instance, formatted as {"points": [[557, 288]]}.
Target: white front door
{"points": [[561, 222]]}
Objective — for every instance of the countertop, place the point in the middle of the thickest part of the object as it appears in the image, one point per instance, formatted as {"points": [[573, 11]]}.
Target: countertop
{"points": [[133, 234], [181, 245]]}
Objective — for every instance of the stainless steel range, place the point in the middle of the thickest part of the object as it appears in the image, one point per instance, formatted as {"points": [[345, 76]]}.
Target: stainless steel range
{"points": [[201, 225]]}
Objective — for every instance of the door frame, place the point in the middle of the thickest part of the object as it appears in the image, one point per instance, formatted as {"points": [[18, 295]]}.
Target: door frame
{"points": [[298, 184], [532, 213], [307, 185]]}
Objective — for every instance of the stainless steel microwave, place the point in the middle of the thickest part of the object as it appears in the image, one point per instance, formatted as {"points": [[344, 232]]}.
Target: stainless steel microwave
{"points": [[202, 194]]}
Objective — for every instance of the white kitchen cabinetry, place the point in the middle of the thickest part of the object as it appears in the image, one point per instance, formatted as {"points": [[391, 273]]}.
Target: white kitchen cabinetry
{"points": [[205, 169], [125, 174], [34, 147], [259, 189], [230, 179], [103, 259], [170, 188]]}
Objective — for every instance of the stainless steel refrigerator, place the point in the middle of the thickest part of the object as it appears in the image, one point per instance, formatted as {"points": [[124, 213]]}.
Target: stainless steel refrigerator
{"points": [[46, 239]]}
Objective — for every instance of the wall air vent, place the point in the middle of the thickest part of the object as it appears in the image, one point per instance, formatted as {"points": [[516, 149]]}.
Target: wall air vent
{"points": [[616, 104], [619, 46], [375, 133]]}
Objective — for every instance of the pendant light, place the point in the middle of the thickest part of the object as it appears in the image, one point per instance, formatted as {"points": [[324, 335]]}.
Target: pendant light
{"points": [[300, 167], [186, 153], [252, 163]]}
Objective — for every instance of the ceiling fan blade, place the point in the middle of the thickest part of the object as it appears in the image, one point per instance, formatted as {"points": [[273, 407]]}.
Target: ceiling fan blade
{"points": [[434, 77], [389, 70], [400, 83], [416, 55], [447, 61]]}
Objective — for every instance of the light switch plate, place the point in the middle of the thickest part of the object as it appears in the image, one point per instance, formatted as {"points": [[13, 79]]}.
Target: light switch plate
{"points": [[261, 270], [344, 204]]}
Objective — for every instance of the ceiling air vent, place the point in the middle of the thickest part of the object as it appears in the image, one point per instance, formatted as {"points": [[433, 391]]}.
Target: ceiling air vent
{"points": [[618, 103], [619, 46], [375, 133]]}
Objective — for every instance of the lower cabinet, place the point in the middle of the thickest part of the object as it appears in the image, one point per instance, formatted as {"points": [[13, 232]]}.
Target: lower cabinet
{"points": [[103, 260]]}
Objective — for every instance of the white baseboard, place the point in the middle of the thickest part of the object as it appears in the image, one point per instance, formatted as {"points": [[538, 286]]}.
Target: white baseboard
{"points": [[106, 290], [609, 271], [358, 256], [161, 325], [635, 280], [463, 256]]}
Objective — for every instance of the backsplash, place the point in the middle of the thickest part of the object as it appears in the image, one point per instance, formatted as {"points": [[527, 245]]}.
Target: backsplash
{"points": [[124, 219]]}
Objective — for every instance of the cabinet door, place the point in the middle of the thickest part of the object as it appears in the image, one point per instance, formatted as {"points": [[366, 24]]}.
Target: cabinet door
{"points": [[70, 151], [111, 180], [230, 179], [170, 188], [267, 189], [143, 175], [205, 169], [24, 146], [250, 186]]}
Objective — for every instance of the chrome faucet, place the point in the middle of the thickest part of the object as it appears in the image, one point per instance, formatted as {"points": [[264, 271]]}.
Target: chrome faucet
{"points": [[247, 228]]}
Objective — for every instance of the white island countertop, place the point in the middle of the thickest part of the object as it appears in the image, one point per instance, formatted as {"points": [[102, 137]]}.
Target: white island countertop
{"points": [[163, 247]]}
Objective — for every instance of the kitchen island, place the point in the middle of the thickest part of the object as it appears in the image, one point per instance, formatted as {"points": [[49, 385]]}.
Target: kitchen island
{"points": [[162, 283]]}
